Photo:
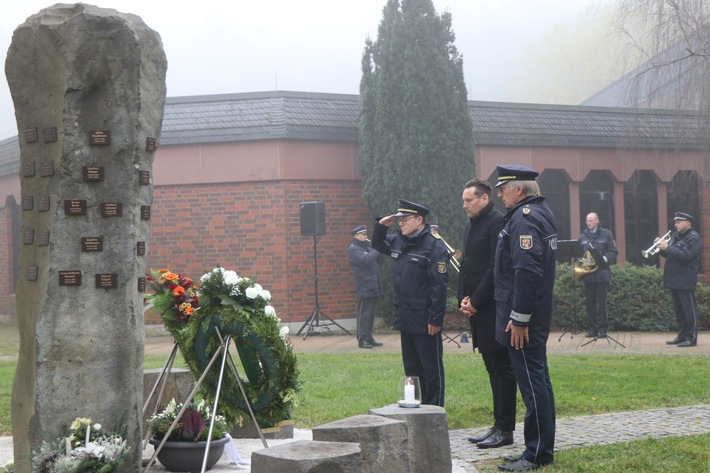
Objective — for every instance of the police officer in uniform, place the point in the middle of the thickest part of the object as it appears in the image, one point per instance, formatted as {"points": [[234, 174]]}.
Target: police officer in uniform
{"points": [[596, 284], [364, 263], [680, 275], [524, 277], [420, 279]]}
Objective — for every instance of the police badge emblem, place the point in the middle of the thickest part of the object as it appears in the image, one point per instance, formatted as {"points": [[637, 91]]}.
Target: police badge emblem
{"points": [[441, 266], [526, 210], [526, 242]]}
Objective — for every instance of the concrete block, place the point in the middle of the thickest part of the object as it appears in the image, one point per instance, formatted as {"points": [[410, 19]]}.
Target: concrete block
{"points": [[307, 456]]}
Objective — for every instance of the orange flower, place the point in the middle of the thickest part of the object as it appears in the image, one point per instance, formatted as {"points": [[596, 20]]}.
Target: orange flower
{"points": [[171, 276], [164, 271], [178, 291], [189, 310]]}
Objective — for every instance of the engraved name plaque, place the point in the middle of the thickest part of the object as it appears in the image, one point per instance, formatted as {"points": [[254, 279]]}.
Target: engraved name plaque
{"points": [[107, 281], [111, 209], [46, 168], [100, 137], [150, 144], [92, 244], [75, 207], [50, 134], [27, 202], [144, 178], [31, 135], [140, 248], [145, 212], [43, 238], [43, 203], [141, 285], [28, 169], [28, 236], [70, 278], [32, 273], [92, 173]]}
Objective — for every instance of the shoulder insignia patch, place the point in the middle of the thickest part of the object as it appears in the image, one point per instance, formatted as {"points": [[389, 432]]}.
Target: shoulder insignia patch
{"points": [[441, 266], [526, 210], [526, 242]]}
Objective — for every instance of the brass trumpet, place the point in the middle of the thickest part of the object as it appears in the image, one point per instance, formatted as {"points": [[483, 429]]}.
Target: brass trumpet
{"points": [[654, 248]]}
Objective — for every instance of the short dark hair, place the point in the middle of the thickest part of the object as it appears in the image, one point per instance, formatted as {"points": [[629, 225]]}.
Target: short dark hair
{"points": [[481, 187]]}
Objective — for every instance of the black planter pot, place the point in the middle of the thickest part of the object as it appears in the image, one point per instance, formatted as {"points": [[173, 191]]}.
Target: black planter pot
{"points": [[188, 456]]}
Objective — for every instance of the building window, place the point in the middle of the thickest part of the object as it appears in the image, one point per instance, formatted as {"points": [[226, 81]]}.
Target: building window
{"points": [[596, 194], [554, 186], [641, 215], [683, 195]]}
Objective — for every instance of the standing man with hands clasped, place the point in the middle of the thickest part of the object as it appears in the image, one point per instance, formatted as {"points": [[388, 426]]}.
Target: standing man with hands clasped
{"points": [[680, 275], [476, 301], [420, 279], [523, 279]]}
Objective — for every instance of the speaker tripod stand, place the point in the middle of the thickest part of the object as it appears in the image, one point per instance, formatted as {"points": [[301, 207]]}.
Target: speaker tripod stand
{"points": [[317, 315]]}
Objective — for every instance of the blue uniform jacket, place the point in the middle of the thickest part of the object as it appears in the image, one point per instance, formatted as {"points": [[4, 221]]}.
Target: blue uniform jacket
{"points": [[682, 261], [364, 265], [524, 273], [420, 278], [603, 241]]}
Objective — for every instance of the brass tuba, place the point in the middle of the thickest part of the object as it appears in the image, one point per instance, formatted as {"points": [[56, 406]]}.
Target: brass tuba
{"points": [[586, 265]]}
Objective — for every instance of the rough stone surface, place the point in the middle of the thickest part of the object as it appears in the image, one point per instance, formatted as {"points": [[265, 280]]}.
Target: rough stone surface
{"points": [[383, 441], [428, 429], [178, 386], [282, 430], [308, 456], [73, 69]]}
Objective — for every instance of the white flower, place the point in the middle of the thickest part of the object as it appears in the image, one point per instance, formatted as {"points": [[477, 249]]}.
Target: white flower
{"points": [[252, 292], [283, 332], [231, 278], [170, 408], [258, 287], [266, 295], [96, 426], [268, 310]]}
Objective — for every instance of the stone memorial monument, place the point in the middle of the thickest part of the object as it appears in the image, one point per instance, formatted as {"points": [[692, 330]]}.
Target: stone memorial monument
{"points": [[88, 85]]}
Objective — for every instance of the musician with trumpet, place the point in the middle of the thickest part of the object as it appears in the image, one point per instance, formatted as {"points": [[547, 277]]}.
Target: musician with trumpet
{"points": [[680, 275], [596, 274]]}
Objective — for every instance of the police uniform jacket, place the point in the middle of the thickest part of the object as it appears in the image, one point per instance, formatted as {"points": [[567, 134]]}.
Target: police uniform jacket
{"points": [[364, 265], [682, 261], [603, 241], [419, 276], [480, 239], [524, 273]]}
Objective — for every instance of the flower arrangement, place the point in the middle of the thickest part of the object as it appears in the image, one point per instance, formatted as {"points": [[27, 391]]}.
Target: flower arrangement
{"points": [[193, 425], [241, 308], [9, 467], [84, 446]]}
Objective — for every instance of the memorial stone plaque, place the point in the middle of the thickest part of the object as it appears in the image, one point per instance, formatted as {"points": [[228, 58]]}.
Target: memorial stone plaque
{"points": [[43, 238], [28, 169], [70, 278], [28, 236], [145, 212], [32, 273], [46, 168], [150, 144], [31, 135], [92, 173], [50, 134], [100, 137], [107, 281], [43, 203], [27, 202], [141, 284], [140, 248], [111, 209], [144, 178], [92, 244], [75, 207]]}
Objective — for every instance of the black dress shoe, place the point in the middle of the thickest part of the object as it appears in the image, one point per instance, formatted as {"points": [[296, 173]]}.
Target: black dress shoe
{"points": [[675, 341], [687, 343], [375, 343], [520, 465], [483, 436], [498, 439], [591, 335], [365, 345], [512, 458]]}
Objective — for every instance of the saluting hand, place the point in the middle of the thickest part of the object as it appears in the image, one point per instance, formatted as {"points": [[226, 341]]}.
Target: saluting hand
{"points": [[388, 220], [518, 335]]}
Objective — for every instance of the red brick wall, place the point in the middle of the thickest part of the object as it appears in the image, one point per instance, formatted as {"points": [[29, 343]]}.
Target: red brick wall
{"points": [[253, 228]]}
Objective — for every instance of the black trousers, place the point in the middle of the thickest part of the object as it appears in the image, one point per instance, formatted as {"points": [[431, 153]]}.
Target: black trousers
{"points": [[503, 388], [597, 313], [422, 356], [530, 365], [686, 314], [366, 318]]}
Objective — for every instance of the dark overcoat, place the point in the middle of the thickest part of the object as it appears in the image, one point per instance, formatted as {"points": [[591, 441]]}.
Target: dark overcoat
{"points": [[364, 265]]}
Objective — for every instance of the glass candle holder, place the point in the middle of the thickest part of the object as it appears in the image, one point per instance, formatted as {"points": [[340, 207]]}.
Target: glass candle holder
{"points": [[410, 393]]}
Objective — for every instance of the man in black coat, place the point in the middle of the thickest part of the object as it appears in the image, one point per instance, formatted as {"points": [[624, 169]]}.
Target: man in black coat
{"points": [[680, 275], [476, 301], [364, 263], [596, 284]]}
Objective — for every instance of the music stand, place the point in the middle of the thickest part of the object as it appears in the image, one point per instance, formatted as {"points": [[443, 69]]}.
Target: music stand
{"points": [[571, 250], [601, 265]]}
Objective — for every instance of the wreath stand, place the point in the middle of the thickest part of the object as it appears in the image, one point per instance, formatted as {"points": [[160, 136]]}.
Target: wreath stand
{"points": [[222, 349]]}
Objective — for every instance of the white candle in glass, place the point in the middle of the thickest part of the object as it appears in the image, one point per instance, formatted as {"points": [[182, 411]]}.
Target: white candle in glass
{"points": [[409, 393], [88, 429]]}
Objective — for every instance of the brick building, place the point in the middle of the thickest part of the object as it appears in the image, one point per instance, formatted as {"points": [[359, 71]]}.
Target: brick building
{"points": [[231, 171]]}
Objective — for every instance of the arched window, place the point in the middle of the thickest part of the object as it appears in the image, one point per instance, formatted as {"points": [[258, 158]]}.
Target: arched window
{"points": [[683, 195], [554, 186], [641, 213], [596, 194]]}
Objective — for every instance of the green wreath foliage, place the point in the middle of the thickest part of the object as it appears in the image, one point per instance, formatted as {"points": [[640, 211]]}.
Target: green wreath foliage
{"points": [[239, 308]]}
